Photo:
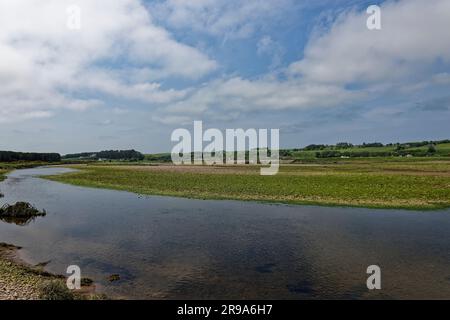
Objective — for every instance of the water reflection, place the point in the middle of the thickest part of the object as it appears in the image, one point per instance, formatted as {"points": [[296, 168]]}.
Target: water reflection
{"points": [[163, 247], [20, 221]]}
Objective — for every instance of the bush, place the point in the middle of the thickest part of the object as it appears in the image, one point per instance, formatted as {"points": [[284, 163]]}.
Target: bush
{"points": [[371, 145], [55, 290], [344, 145], [431, 149], [20, 209], [315, 147]]}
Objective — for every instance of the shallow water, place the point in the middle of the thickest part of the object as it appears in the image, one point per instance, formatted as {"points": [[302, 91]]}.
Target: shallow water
{"points": [[165, 247]]}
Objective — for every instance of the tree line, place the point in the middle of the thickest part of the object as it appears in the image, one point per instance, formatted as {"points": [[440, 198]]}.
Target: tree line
{"points": [[347, 145], [107, 155], [363, 154], [11, 156]]}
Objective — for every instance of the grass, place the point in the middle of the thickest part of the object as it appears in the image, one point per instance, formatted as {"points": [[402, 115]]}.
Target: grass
{"points": [[55, 290], [2, 174], [377, 183]]}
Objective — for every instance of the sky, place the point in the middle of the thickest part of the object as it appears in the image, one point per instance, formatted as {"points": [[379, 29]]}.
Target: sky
{"points": [[133, 71]]}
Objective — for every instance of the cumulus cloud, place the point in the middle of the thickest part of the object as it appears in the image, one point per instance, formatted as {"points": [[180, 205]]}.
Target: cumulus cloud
{"points": [[344, 64], [414, 36], [46, 66], [121, 52], [227, 99]]}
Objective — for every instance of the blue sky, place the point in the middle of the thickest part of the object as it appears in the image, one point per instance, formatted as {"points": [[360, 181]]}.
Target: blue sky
{"points": [[136, 70]]}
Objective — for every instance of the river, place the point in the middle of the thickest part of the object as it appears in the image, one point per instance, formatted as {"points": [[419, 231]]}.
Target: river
{"points": [[175, 248]]}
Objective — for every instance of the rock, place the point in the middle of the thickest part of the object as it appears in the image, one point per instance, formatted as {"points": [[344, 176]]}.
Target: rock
{"points": [[114, 277]]}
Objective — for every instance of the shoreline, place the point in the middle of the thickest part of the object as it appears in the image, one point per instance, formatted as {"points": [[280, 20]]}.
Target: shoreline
{"points": [[293, 186], [300, 203], [20, 280], [342, 176], [14, 250]]}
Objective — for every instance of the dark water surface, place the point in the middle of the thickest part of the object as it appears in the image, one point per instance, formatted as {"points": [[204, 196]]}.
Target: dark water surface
{"points": [[164, 247]]}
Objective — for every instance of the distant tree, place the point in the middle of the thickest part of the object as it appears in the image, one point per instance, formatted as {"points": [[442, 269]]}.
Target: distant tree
{"points": [[10, 156], [344, 145], [285, 153], [373, 144], [315, 147], [120, 155], [431, 149], [108, 155], [83, 155]]}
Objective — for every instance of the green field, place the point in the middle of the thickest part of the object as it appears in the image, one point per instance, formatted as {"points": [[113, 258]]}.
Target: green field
{"points": [[378, 182], [391, 151], [441, 150]]}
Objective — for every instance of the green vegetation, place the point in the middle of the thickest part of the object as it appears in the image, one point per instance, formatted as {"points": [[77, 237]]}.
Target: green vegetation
{"points": [[132, 155], [11, 156], [158, 157], [314, 152], [376, 149], [440, 148], [409, 183], [413, 175], [55, 290], [20, 213], [20, 209]]}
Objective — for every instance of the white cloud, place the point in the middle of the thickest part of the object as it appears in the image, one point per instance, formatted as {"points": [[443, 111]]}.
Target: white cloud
{"points": [[413, 37], [120, 52], [237, 96], [44, 65], [115, 84], [225, 18], [6, 117], [342, 65]]}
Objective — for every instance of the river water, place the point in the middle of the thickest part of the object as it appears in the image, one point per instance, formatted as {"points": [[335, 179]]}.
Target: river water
{"points": [[174, 248]]}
